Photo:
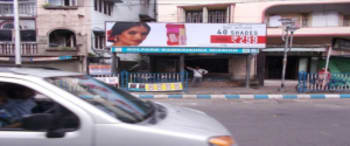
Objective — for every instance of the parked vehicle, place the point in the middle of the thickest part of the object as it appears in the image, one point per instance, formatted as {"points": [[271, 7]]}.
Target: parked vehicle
{"points": [[78, 110]]}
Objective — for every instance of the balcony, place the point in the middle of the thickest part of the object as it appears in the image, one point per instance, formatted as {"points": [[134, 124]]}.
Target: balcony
{"points": [[319, 20], [26, 9], [27, 49], [313, 31]]}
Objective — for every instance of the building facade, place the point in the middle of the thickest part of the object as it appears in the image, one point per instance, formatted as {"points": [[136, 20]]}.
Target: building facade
{"points": [[221, 67], [63, 33], [319, 23]]}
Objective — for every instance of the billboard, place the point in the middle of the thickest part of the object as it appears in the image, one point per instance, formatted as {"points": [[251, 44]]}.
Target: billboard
{"points": [[187, 35]]}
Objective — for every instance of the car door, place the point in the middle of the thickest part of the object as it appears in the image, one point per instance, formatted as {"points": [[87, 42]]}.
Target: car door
{"points": [[80, 134]]}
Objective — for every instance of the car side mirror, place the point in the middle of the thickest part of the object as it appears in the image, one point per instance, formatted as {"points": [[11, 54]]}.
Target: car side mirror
{"points": [[35, 122]]}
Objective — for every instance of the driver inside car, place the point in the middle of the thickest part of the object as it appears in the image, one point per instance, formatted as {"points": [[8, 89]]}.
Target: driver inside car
{"points": [[5, 116], [16, 101]]}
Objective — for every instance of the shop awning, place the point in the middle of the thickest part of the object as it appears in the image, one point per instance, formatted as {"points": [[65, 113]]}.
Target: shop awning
{"points": [[337, 64], [39, 59], [184, 50], [295, 50]]}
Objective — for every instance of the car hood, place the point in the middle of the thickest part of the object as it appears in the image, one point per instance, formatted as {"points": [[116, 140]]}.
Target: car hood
{"points": [[190, 121]]}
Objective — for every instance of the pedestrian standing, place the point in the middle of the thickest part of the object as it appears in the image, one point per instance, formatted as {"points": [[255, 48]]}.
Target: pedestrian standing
{"points": [[324, 76], [198, 74]]}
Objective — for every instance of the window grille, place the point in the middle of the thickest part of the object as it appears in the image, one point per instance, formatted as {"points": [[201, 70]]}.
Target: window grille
{"points": [[217, 16], [194, 16]]}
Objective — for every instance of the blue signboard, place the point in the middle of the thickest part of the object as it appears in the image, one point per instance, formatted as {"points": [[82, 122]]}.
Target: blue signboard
{"points": [[184, 50]]}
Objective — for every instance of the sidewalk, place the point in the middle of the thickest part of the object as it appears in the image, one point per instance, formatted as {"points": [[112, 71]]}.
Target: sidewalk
{"points": [[270, 90]]}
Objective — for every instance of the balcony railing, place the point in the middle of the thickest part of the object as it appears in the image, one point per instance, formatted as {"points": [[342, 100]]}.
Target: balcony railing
{"points": [[27, 49], [25, 9]]}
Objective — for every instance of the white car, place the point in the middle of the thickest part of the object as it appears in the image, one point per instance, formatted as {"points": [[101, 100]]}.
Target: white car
{"points": [[73, 109]]}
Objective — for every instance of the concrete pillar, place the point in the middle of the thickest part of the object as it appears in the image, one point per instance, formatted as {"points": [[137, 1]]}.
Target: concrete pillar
{"points": [[115, 64], [205, 14], [181, 15], [182, 63], [248, 66], [228, 14], [231, 68], [232, 13], [261, 68]]}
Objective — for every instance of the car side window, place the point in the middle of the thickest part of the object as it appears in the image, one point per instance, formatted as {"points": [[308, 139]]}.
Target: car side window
{"points": [[19, 103]]}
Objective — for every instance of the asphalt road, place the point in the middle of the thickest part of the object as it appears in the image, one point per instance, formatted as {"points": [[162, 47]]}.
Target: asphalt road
{"points": [[279, 122]]}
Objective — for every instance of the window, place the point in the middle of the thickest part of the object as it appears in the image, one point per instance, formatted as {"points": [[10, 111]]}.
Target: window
{"points": [[6, 9], [275, 20], [110, 9], [62, 38], [29, 102], [346, 20], [145, 3], [103, 6], [5, 35], [99, 41], [305, 20], [325, 19], [62, 2], [95, 5], [217, 16], [194, 16], [115, 102], [100, 5], [28, 35], [27, 27]]}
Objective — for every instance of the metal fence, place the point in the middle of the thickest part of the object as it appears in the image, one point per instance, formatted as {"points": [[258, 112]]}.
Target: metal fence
{"points": [[314, 82], [142, 77]]}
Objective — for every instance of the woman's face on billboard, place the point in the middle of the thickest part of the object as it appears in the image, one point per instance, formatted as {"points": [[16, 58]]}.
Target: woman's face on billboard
{"points": [[132, 36]]}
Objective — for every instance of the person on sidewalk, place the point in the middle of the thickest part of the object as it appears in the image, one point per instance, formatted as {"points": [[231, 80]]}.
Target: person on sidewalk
{"points": [[198, 74], [324, 76]]}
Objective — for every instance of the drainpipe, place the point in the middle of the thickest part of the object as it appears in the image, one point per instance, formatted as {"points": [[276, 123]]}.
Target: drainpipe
{"points": [[155, 10]]}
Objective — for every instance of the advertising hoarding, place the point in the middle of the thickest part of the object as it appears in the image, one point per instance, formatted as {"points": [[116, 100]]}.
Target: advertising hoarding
{"points": [[185, 35]]}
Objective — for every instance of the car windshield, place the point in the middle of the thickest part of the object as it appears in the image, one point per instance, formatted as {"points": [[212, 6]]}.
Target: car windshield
{"points": [[113, 101]]}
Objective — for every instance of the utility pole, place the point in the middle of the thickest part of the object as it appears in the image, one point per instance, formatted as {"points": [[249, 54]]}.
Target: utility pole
{"points": [[329, 52], [17, 34], [288, 30], [286, 41]]}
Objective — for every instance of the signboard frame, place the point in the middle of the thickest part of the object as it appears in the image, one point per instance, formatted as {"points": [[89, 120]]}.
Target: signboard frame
{"points": [[188, 35]]}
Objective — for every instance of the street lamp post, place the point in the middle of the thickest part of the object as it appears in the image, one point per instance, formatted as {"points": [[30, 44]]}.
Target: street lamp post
{"points": [[288, 30], [18, 60]]}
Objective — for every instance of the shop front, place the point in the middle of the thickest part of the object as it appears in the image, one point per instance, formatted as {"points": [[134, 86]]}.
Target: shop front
{"points": [[227, 51]]}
